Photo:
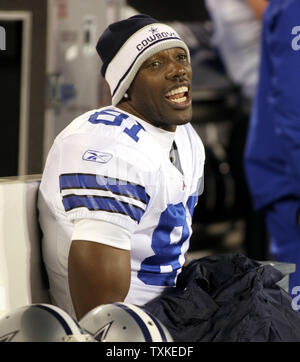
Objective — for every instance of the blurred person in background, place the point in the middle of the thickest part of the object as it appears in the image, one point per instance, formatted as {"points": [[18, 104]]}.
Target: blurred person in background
{"points": [[237, 34], [273, 145], [237, 37]]}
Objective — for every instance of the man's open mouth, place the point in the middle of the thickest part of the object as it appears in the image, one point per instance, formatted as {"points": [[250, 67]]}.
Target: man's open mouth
{"points": [[178, 95]]}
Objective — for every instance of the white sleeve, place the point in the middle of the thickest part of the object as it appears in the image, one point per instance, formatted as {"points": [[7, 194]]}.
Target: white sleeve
{"points": [[102, 232]]}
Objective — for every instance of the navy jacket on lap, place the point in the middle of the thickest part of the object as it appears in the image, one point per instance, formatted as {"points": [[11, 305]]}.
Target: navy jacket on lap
{"points": [[227, 298]]}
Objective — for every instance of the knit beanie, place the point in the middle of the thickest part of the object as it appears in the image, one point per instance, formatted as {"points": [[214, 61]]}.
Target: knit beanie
{"points": [[127, 44]]}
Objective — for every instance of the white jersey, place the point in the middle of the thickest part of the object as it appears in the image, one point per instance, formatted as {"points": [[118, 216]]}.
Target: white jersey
{"points": [[107, 166]]}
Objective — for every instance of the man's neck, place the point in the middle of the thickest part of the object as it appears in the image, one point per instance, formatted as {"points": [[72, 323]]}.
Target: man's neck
{"points": [[127, 107]]}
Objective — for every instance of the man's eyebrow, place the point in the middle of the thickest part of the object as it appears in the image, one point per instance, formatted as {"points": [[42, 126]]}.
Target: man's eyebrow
{"points": [[153, 58]]}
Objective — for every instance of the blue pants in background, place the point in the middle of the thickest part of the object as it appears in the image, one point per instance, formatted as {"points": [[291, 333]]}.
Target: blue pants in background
{"points": [[282, 223]]}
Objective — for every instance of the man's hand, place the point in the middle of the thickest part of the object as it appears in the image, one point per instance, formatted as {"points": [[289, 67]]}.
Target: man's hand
{"points": [[98, 274]]}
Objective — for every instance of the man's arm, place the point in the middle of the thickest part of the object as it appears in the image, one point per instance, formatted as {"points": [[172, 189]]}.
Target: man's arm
{"points": [[258, 7], [98, 274]]}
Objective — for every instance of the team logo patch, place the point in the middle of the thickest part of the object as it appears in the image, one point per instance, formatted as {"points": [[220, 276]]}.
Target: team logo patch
{"points": [[96, 156]]}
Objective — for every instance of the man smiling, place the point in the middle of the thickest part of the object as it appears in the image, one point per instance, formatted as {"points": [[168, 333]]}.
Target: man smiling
{"points": [[121, 182], [164, 102]]}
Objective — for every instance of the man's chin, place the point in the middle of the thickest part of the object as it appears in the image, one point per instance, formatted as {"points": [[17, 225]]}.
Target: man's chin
{"points": [[183, 117]]}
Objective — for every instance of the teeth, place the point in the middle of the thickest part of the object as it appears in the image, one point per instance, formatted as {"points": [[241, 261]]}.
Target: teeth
{"points": [[176, 91], [179, 100]]}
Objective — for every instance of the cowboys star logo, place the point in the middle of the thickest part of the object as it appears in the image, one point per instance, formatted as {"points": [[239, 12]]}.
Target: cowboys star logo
{"points": [[153, 30], [101, 334]]}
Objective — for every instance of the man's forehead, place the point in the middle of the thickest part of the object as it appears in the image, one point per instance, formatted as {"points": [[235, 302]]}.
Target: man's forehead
{"points": [[164, 52]]}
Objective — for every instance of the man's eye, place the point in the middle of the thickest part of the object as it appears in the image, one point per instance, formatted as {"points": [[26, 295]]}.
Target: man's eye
{"points": [[155, 64], [182, 57]]}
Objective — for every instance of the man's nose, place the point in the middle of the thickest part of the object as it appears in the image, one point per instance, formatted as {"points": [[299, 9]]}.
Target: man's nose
{"points": [[175, 69]]}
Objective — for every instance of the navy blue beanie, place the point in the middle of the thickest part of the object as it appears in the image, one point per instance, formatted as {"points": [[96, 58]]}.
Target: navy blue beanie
{"points": [[125, 45]]}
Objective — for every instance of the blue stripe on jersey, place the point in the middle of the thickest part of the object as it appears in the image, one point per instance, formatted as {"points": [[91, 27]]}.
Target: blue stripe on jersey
{"points": [[98, 182], [102, 203], [191, 203], [139, 321]]}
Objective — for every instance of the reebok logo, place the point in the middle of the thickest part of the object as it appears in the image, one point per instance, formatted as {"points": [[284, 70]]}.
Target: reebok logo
{"points": [[96, 156]]}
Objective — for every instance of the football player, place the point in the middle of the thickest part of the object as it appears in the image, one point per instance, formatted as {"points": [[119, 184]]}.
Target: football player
{"points": [[120, 183]]}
